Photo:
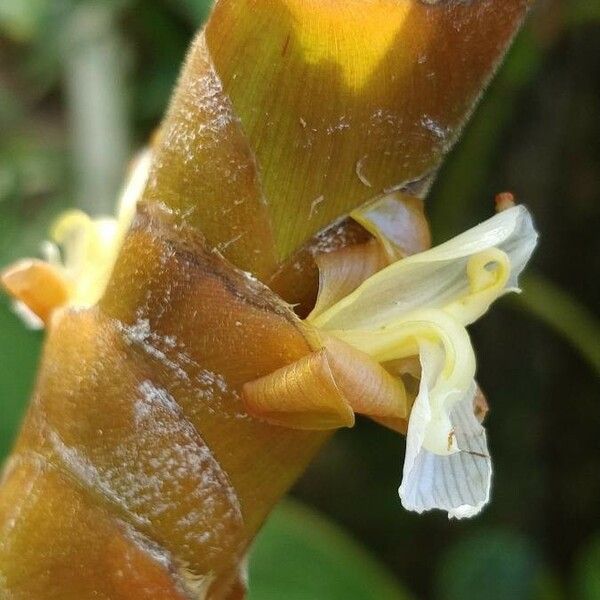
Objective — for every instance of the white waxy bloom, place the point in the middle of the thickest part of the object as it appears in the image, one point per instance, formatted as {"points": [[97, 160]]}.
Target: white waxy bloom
{"points": [[420, 305]]}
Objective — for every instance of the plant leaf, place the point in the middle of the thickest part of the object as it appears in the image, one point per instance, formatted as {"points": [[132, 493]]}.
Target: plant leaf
{"points": [[563, 313], [300, 555], [494, 565]]}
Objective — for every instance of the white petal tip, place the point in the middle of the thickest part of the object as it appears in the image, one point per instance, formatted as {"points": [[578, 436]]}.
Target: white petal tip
{"points": [[27, 316], [466, 511], [457, 483]]}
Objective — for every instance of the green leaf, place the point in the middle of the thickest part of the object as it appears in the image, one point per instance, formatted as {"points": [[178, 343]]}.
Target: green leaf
{"points": [[587, 572], [490, 564], [195, 11], [300, 555], [564, 314], [19, 351]]}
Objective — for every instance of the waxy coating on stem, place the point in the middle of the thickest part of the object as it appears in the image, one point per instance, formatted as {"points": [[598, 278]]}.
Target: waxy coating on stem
{"points": [[137, 449]]}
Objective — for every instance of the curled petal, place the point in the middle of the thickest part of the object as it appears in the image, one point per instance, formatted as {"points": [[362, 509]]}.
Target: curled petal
{"points": [[438, 338], [398, 222], [302, 395], [39, 286], [324, 389], [401, 339], [369, 388], [458, 482], [297, 278], [399, 228], [443, 276], [342, 271]]}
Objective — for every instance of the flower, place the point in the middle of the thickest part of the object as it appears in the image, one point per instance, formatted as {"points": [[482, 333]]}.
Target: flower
{"points": [[381, 317], [420, 305], [79, 258], [417, 307]]}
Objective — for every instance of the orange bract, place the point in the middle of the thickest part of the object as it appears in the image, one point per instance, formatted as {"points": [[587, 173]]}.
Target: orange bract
{"points": [[324, 389], [38, 285]]}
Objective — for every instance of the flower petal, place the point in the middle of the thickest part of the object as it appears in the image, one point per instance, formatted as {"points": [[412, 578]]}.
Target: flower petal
{"points": [[37, 285], [441, 277], [398, 222], [342, 271], [458, 482], [442, 341], [90, 247]]}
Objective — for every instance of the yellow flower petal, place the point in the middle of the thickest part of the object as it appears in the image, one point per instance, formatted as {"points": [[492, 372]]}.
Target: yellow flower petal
{"points": [[90, 247], [450, 276]]}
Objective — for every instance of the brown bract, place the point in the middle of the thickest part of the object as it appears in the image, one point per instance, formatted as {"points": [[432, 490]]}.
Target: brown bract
{"points": [[138, 405], [326, 89]]}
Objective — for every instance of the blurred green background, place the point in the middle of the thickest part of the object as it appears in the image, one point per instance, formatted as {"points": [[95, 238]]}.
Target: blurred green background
{"points": [[84, 83]]}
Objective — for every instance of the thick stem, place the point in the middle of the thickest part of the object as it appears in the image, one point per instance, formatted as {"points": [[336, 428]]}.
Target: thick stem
{"points": [[138, 474]]}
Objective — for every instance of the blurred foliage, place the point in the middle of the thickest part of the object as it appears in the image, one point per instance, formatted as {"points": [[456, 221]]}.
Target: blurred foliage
{"points": [[565, 315], [493, 564], [536, 133], [304, 554], [587, 581], [19, 349]]}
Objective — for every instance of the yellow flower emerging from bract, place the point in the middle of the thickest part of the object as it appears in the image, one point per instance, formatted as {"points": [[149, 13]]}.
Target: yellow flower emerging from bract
{"points": [[420, 305], [79, 257], [90, 245]]}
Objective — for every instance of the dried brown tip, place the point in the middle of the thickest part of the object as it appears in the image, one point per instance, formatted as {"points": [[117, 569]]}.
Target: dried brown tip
{"points": [[36, 284], [480, 405], [504, 201]]}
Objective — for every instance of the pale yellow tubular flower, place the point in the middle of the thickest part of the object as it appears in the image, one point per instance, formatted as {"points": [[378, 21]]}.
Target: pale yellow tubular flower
{"points": [[435, 278], [421, 305], [89, 246]]}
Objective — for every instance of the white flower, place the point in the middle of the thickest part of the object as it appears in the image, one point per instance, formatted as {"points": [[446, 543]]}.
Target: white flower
{"points": [[420, 305]]}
